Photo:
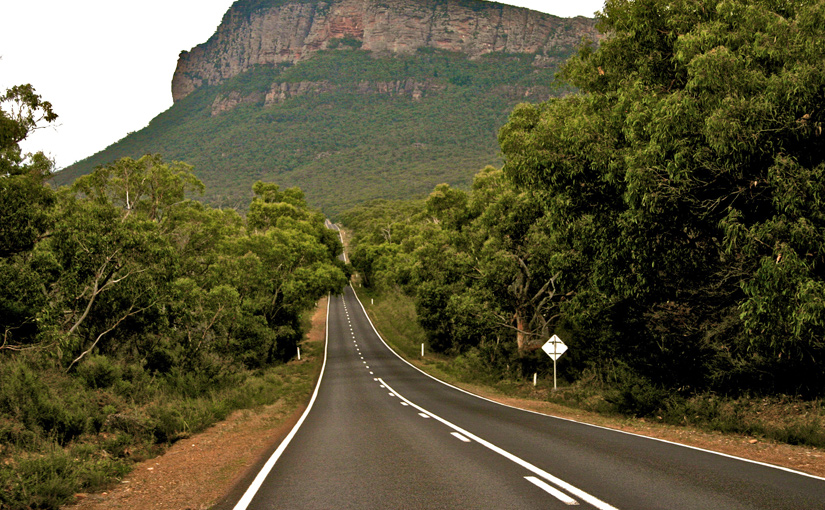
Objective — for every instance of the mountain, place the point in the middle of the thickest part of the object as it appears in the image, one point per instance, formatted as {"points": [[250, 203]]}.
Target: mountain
{"points": [[351, 99]]}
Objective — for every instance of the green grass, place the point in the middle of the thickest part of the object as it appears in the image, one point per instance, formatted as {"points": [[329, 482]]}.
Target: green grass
{"points": [[394, 316]]}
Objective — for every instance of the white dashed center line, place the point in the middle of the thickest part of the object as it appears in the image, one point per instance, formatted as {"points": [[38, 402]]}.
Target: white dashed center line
{"points": [[460, 437]]}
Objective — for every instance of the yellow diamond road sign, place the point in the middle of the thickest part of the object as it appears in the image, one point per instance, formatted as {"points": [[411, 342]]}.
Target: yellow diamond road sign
{"points": [[554, 347]]}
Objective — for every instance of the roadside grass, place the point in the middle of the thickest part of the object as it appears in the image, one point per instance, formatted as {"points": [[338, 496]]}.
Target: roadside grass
{"points": [[62, 434], [783, 419]]}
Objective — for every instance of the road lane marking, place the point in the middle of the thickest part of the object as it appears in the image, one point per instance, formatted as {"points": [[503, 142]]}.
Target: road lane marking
{"points": [[458, 436], [541, 484], [246, 499], [423, 415], [558, 482], [665, 441]]}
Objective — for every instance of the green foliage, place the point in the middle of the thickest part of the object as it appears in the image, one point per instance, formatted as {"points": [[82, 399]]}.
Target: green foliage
{"points": [[40, 468], [126, 308], [677, 177], [99, 372], [474, 262], [345, 42], [348, 144], [666, 221]]}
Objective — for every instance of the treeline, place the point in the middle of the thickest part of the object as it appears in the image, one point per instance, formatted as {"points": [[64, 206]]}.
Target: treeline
{"points": [[667, 221], [132, 315]]}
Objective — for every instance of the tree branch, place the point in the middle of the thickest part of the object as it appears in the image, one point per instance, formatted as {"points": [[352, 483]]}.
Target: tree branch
{"points": [[129, 313]]}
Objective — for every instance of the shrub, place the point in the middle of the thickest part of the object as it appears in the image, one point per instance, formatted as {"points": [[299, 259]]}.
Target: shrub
{"points": [[635, 395], [99, 372], [27, 399]]}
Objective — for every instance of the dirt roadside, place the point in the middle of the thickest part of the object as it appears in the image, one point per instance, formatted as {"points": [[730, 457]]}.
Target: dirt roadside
{"points": [[199, 472], [799, 458]]}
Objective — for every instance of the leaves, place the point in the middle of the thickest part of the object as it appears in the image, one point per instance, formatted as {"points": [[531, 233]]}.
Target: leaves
{"points": [[133, 267], [671, 211], [707, 132]]}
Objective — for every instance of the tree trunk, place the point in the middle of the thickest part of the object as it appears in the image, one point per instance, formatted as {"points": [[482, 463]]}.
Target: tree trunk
{"points": [[521, 333]]}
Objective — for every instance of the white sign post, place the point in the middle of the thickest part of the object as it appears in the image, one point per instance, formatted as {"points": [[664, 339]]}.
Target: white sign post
{"points": [[554, 348]]}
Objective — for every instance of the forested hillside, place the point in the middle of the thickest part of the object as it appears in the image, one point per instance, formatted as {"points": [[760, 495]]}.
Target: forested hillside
{"points": [[666, 222], [357, 108], [132, 315], [354, 131]]}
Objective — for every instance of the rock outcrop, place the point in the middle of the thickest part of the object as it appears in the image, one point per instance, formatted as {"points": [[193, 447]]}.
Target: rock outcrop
{"points": [[230, 101], [280, 92], [290, 31]]}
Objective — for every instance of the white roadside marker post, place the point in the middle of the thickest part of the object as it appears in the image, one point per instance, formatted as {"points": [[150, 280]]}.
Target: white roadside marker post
{"points": [[299, 354], [422, 349]]}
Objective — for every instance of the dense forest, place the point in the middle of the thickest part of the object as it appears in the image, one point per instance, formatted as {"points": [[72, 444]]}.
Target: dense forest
{"points": [[133, 315], [666, 221]]}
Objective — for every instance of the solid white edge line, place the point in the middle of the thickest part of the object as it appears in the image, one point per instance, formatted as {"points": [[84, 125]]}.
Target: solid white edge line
{"points": [[696, 448], [572, 489], [549, 489], [243, 503]]}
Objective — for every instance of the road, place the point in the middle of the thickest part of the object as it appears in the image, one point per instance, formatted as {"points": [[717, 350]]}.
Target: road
{"points": [[379, 434]]}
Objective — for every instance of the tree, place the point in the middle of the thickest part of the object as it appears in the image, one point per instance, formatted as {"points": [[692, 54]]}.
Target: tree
{"points": [[678, 174], [24, 200], [25, 214], [147, 185]]}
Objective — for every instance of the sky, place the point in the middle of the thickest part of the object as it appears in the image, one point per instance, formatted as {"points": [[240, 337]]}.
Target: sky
{"points": [[106, 66]]}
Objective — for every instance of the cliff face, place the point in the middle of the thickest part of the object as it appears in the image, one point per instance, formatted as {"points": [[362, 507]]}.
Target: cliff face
{"points": [[290, 32]]}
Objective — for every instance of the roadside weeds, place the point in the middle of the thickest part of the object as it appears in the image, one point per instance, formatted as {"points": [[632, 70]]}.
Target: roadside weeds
{"points": [[201, 471]]}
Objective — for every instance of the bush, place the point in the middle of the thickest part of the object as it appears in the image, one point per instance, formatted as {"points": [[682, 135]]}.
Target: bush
{"points": [[50, 480], [26, 399], [99, 372], [635, 395]]}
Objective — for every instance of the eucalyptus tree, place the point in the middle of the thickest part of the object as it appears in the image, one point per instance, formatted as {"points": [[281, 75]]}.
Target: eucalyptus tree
{"points": [[686, 175], [26, 217]]}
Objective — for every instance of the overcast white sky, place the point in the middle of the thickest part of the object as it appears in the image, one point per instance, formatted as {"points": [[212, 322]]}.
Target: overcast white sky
{"points": [[106, 65]]}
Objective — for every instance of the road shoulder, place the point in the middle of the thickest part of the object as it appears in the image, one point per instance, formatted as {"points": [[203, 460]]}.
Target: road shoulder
{"points": [[207, 469]]}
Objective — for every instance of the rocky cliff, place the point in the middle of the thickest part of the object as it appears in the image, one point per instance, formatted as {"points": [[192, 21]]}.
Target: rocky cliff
{"points": [[255, 32]]}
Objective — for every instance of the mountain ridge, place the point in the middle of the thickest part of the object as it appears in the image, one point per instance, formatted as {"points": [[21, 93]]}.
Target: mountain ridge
{"points": [[289, 32]]}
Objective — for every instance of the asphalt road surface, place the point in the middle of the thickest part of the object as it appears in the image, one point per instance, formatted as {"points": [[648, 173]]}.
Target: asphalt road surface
{"points": [[379, 434]]}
